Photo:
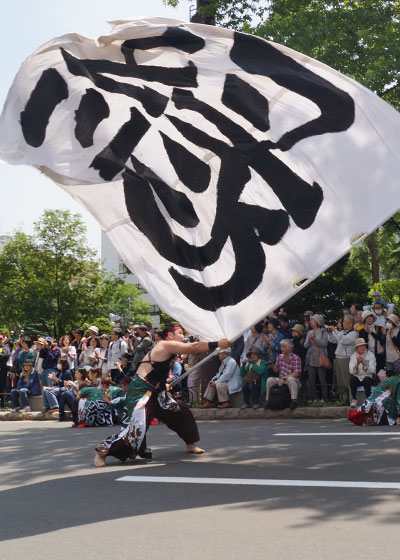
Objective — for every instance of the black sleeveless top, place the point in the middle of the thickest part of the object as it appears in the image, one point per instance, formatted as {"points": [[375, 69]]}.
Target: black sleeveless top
{"points": [[160, 371]]}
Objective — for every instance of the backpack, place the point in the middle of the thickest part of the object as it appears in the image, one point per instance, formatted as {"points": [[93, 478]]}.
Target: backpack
{"points": [[279, 397]]}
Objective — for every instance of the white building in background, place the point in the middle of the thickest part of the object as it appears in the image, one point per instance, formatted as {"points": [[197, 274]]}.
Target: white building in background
{"points": [[113, 263]]}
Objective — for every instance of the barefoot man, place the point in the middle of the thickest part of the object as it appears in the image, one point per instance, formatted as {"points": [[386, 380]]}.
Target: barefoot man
{"points": [[147, 398]]}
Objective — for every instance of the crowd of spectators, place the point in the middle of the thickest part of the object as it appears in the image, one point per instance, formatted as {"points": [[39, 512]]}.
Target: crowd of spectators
{"points": [[89, 372]]}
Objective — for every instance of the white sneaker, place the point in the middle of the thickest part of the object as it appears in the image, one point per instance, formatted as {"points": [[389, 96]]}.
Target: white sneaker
{"points": [[26, 409], [256, 406], [245, 406], [353, 403]]}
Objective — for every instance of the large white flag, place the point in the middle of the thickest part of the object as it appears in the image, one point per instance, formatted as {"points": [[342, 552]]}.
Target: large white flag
{"points": [[225, 169]]}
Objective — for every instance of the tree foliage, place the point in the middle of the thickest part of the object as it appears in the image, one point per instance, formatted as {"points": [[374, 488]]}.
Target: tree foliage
{"points": [[338, 287], [51, 281], [359, 39]]}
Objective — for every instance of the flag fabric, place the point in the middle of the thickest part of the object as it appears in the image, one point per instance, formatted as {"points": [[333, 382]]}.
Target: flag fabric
{"points": [[228, 171]]}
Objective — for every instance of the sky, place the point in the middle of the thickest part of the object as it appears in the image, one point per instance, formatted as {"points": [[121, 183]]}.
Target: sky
{"points": [[24, 192]]}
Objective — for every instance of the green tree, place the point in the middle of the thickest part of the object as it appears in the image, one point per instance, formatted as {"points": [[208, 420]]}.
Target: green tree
{"points": [[127, 301], [359, 39], [51, 281], [338, 287]]}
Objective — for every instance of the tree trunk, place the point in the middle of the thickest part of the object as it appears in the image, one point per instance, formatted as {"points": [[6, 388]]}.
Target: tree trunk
{"points": [[372, 244], [200, 18]]}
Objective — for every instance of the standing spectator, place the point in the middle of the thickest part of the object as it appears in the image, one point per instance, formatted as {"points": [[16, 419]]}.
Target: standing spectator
{"points": [[380, 313], [374, 337], [93, 331], [4, 356], [272, 341], [307, 316], [254, 376], [392, 344], [354, 308], [26, 352], [28, 384], [284, 326], [103, 354], [382, 304], [298, 349], [50, 354], [359, 324], [224, 383], [254, 340], [90, 354], [288, 368], [142, 345], [116, 348], [68, 350], [316, 344], [362, 367], [78, 342], [345, 339]]}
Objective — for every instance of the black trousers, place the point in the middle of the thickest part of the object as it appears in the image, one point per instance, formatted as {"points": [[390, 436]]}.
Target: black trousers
{"points": [[181, 421], [355, 382]]}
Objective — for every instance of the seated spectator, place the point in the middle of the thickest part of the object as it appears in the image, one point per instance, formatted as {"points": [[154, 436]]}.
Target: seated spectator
{"points": [[50, 353], [224, 383], [175, 372], [94, 376], [362, 367], [93, 410], [374, 337], [383, 405], [316, 344], [125, 368], [52, 394], [4, 357], [345, 340], [272, 341], [254, 374], [28, 385], [392, 343], [288, 370], [81, 379], [115, 396]]}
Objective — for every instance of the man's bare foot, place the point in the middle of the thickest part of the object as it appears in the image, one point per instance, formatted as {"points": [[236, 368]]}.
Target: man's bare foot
{"points": [[99, 460], [192, 448]]}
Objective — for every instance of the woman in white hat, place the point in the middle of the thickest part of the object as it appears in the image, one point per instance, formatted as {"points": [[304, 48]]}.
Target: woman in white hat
{"points": [[362, 367]]}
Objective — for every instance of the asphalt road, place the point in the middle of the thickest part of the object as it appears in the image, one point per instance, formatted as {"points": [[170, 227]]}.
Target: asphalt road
{"points": [[54, 504]]}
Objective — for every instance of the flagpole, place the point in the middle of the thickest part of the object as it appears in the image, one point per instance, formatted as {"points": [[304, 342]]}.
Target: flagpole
{"points": [[192, 369]]}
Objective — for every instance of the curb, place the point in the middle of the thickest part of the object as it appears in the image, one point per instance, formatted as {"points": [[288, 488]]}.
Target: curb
{"points": [[329, 412]]}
